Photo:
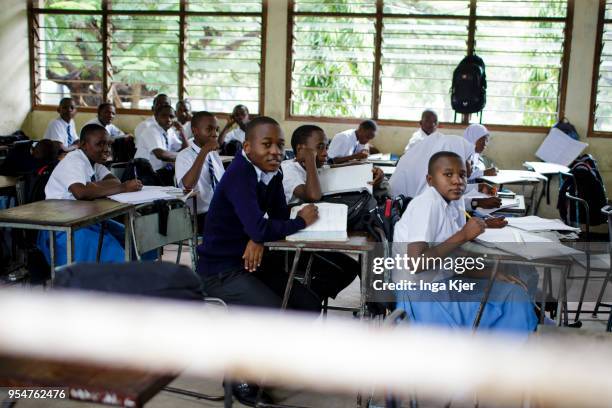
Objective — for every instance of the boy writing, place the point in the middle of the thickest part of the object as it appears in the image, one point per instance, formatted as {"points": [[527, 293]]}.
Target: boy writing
{"points": [[352, 144]]}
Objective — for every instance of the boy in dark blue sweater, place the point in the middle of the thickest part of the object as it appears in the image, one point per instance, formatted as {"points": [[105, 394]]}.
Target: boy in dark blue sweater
{"points": [[249, 208]]}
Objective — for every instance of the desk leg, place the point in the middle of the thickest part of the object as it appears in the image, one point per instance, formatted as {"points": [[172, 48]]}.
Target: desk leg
{"points": [[296, 259], [100, 241], [562, 299], [127, 220], [545, 280], [364, 283], [70, 246], [52, 255], [485, 296]]}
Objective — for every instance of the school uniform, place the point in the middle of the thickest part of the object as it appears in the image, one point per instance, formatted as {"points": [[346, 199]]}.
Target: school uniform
{"points": [[249, 204], [478, 167], [417, 137], [332, 271], [155, 137], [345, 144], [429, 218], [113, 131], [472, 134], [62, 132], [409, 176], [235, 134], [76, 168], [212, 172], [187, 131], [142, 126]]}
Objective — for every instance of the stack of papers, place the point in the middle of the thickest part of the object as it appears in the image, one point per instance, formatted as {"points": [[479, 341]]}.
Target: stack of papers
{"points": [[546, 168], [345, 179], [331, 225], [535, 223], [506, 203], [148, 194], [559, 148], [514, 176], [380, 156]]}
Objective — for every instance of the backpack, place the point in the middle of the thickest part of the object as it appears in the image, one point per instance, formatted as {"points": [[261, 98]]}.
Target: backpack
{"points": [[566, 127], [590, 188], [123, 149], [469, 88], [144, 170]]}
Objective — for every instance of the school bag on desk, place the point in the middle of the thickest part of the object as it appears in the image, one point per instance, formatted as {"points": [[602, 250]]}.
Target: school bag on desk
{"points": [[587, 180]]}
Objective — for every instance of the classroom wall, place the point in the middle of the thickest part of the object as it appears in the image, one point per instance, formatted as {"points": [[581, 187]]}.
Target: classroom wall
{"points": [[506, 149]]}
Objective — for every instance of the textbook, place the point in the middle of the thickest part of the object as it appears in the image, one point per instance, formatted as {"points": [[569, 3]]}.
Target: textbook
{"points": [[345, 179], [559, 148], [331, 225]]}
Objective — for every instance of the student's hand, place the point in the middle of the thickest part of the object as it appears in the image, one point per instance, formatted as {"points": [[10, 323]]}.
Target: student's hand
{"points": [[490, 172], [362, 155], [379, 175], [486, 188], [489, 202], [305, 154], [252, 256], [309, 214], [178, 126], [496, 222], [131, 185], [473, 228], [211, 145]]}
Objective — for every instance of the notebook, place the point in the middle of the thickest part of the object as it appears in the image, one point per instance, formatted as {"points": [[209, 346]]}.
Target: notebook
{"points": [[559, 148], [513, 176], [547, 168], [505, 203], [331, 225], [345, 179], [148, 194], [535, 223]]}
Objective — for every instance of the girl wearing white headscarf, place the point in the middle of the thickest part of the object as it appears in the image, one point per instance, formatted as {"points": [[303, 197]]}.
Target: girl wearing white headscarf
{"points": [[478, 136]]}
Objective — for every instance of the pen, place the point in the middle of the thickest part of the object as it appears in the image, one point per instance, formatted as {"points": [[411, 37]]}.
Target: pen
{"points": [[135, 173]]}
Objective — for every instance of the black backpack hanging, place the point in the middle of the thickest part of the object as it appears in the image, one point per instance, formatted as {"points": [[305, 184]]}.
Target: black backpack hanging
{"points": [[469, 88]]}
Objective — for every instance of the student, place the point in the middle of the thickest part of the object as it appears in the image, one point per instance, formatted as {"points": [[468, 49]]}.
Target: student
{"points": [[239, 117], [410, 174], [199, 166], [433, 226], [159, 143], [106, 115], [183, 116], [63, 129], [352, 144], [81, 176], [473, 196], [159, 100], [478, 136], [428, 126]]}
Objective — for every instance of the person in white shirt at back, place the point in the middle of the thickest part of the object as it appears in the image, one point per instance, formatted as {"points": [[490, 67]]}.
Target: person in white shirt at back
{"points": [[352, 144], [199, 166], [478, 136], [239, 117], [428, 126], [159, 144], [410, 174], [183, 118], [159, 100], [63, 130], [105, 118]]}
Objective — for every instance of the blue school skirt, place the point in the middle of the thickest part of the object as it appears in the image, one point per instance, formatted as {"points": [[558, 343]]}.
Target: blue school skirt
{"points": [[86, 244], [509, 308]]}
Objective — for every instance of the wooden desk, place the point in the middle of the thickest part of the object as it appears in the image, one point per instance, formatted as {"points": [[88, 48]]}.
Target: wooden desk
{"points": [[358, 243], [85, 382], [67, 216]]}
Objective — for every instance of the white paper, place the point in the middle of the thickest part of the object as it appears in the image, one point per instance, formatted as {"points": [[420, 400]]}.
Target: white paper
{"points": [[535, 223], [380, 156], [346, 178], [559, 148], [331, 225], [547, 168], [142, 196], [505, 203], [513, 176]]}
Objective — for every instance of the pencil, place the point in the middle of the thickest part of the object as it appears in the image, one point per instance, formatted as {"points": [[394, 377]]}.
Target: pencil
{"points": [[467, 215]]}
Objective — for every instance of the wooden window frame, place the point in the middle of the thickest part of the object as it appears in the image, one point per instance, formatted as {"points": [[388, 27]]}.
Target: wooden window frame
{"points": [[105, 13], [471, 39], [596, 62]]}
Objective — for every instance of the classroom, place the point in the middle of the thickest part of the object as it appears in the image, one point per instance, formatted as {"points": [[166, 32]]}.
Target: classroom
{"points": [[306, 203]]}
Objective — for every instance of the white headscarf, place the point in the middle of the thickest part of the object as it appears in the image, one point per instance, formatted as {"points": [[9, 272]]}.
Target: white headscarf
{"points": [[474, 132]]}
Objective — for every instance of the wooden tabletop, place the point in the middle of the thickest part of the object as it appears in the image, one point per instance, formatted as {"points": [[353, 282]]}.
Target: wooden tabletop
{"points": [[7, 181], [85, 382], [64, 213], [356, 242]]}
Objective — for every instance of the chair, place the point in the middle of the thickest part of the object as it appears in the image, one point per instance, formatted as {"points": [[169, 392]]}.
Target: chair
{"points": [[117, 169]]}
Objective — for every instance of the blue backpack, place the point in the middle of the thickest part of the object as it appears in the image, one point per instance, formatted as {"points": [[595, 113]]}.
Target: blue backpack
{"points": [[566, 127]]}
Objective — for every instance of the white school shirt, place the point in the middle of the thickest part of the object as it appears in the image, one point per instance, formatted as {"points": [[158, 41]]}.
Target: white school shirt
{"points": [[471, 192], [236, 134], [184, 162], [187, 131], [152, 138], [112, 130], [478, 166], [417, 137], [345, 144], [294, 175], [58, 130], [143, 125], [409, 176], [74, 168]]}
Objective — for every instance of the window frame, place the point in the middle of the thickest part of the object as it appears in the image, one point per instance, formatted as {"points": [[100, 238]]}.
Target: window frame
{"points": [[472, 20], [105, 13], [595, 79]]}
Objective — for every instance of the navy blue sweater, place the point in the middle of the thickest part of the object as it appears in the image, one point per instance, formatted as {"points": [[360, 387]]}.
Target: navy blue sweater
{"points": [[236, 214]]}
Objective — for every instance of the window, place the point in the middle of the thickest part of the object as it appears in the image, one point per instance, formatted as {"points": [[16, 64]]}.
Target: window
{"points": [[391, 59], [126, 52], [601, 97]]}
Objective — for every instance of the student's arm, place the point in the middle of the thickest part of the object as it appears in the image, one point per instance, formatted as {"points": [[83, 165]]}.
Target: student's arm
{"points": [[470, 230], [226, 128], [103, 188], [311, 191], [362, 155], [164, 155], [191, 177], [181, 133]]}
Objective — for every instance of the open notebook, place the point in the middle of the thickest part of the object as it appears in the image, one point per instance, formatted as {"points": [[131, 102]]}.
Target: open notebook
{"points": [[148, 194], [331, 225], [345, 179], [559, 148], [505, 203]]}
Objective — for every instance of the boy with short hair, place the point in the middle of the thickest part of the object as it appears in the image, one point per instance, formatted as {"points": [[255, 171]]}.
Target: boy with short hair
{"points": [[159, 144], [183, 118], [105, 118], [82, 176], [428, 126], [159, 100], [199, 166], [63, 130], [433, 226], [239, 117], [352, 144]]}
